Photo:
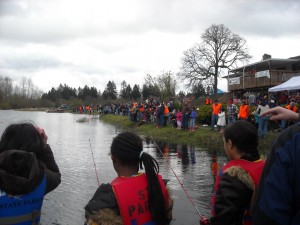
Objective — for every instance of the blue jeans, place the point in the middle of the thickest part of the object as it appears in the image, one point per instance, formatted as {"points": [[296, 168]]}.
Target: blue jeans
{"points": [[231, 119], [192, 123], [262, 126], [214, 120], [283, 124]]}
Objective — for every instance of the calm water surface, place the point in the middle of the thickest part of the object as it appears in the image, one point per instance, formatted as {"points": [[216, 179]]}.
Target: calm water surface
{"points": [[72, 143]]}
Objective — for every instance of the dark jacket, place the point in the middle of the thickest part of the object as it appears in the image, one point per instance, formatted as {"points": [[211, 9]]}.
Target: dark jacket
{"points": [[277, 199], [21, 172], [234, 194]]}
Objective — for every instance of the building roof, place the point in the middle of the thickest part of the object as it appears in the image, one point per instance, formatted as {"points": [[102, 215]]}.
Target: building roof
{"points": [[265, 64], [271, 63]]}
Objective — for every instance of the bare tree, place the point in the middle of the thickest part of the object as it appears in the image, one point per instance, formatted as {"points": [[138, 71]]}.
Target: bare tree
{"points": [[220, 49], [167, 84], [6, 87], [23, 86], [163, 86]]}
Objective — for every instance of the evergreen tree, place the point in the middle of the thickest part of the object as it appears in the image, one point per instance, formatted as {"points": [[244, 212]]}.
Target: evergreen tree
{"points": [[110, 91], [136, 94]]}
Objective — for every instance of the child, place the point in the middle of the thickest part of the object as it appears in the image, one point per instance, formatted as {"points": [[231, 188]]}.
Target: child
{"points": [[179, 119], [193, 119], [111, 202], [221, 120], [236, 182], [28, 172]]}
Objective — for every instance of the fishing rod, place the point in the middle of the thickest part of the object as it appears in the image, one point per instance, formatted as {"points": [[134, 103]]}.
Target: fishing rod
{"points": [[203, 219], [94, 163]]}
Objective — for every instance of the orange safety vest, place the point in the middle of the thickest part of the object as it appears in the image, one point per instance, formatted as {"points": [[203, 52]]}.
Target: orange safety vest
{"points": [[244, 112], [132, 197], [166, 110], [295, 109], [208, 101], [253, 168], [142, 108], [216, 108]]}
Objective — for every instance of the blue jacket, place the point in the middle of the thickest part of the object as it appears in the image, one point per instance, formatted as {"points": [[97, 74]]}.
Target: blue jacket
{"points": [[193, 114], [277, 200]]}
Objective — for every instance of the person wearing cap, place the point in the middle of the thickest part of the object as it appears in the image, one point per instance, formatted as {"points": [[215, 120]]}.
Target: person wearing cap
{"points": [[132, 197], [232, 112], [215, 111]]}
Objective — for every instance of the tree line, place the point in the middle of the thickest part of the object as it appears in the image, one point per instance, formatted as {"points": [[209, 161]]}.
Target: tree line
{"points": [[220, 50]]}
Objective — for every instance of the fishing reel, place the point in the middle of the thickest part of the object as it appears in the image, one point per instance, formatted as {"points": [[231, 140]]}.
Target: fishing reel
{"points": [[204, 220]]}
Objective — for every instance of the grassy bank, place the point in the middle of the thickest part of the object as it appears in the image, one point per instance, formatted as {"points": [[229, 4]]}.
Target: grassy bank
{"points": [[201, 137]]}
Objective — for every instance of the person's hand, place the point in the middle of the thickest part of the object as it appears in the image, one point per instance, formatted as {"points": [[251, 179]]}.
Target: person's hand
{"points": [[280, 113], [204, 220], [43, 134]]}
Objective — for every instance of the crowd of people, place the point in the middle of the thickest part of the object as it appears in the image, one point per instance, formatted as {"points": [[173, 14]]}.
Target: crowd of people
{"points": [[241, 110]]}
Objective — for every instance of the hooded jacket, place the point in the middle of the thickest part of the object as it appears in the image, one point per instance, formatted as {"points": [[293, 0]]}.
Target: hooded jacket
{"points": [[21, 172]]}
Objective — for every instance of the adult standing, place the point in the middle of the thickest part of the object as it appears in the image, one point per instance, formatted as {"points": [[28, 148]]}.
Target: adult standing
{"points": [[132, 197], [244, 111], [216, 107], [277, 200], [186, 110], [28, 172], [263, 120], [232, 112], [160, 115], [208, 100]]}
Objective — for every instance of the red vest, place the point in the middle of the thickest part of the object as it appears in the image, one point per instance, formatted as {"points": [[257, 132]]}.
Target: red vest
{"points": [[253, 168], [132, 197]]}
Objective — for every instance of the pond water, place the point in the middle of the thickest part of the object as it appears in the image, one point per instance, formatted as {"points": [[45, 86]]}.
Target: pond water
{"points": [[73, 142]]}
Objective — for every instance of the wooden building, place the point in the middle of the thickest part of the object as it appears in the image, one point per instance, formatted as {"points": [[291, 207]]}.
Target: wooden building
{"points": [[260, 76]]}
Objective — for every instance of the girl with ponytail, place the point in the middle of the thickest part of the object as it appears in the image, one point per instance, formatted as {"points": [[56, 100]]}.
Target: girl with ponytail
{"points": [[237, 180], [132, 197]]}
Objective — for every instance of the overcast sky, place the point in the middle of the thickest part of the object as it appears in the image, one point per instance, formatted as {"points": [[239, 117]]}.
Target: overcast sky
{"points": [[91, 42]]}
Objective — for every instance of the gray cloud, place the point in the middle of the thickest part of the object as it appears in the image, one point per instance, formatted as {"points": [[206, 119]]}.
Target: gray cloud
{"points": [[122, 39]]}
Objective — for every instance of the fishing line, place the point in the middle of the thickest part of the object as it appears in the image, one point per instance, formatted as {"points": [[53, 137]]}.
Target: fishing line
{"points": [[185, 191], [94, 163]]}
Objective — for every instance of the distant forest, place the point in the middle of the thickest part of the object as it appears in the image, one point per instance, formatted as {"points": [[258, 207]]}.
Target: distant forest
{"points": [[27, 95]]}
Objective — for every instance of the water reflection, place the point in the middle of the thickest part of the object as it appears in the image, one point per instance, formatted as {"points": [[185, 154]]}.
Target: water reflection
{"points": [[69, 136]]}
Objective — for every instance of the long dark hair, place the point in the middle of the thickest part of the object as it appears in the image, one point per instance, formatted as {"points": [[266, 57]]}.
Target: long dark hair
{"points": [[22, 136], [127, 147], [243, 135]]}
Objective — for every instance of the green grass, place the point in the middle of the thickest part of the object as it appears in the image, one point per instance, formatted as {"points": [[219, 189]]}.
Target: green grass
{"points": [[201, 137]]}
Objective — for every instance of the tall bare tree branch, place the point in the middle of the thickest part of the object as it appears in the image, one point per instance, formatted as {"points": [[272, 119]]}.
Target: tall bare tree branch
{"points": [[220, 49]]}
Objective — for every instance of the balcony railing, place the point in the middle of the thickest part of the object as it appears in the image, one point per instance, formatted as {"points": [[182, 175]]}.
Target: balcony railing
{"points": [[248, 81]]}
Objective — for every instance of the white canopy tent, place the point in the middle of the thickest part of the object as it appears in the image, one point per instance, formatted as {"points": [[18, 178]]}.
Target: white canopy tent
{"points": [[291, 84]]}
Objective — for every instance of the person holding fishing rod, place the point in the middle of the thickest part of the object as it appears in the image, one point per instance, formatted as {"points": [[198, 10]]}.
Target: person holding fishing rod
{"points": [[28, 172], [133, 197], [237, 180]]}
